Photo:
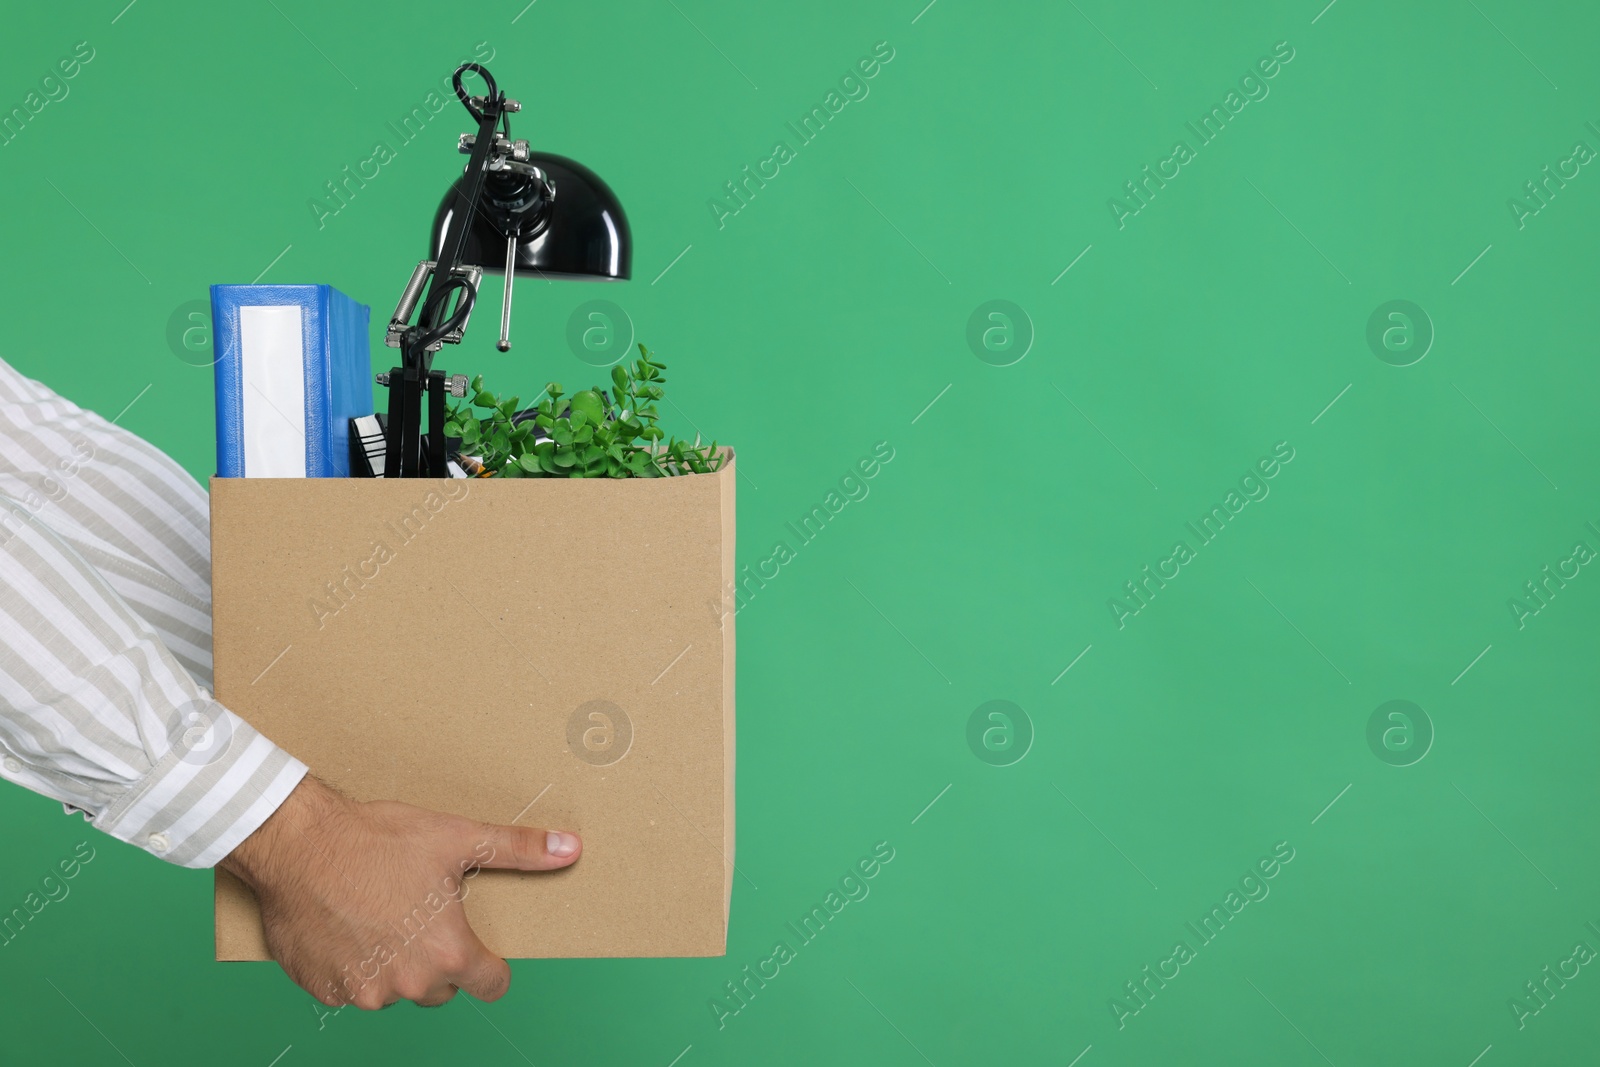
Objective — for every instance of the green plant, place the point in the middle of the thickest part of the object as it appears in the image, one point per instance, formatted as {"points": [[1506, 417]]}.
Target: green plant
{"points": [[595, 434]]}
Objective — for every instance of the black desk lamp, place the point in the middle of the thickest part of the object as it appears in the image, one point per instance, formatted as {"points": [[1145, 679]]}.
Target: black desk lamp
{"points": [[512, 211]]}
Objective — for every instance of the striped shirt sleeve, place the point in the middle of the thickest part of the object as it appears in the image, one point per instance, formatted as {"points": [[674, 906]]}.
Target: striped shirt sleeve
{"points": [[105, 639]]}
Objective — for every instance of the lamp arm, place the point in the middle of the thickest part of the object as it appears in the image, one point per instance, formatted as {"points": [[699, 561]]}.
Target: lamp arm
{"points": [[492, 113], [466, 204], [403, 445]]}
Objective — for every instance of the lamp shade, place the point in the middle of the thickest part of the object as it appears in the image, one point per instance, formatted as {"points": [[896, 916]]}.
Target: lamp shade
{"points": [[581, 233]]}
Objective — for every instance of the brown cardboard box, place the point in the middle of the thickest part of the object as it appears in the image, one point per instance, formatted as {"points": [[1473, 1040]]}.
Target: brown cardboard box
{"points": [[549, 651]]}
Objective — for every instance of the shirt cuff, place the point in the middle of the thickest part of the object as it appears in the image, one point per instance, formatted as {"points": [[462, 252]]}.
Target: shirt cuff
{"points": [[216, 784]]}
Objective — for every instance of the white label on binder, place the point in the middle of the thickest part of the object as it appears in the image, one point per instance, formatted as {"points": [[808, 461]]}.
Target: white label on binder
{"points": [[273, 372]]}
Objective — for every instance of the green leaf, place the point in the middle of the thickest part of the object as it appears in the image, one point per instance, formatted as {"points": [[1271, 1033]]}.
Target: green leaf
{"points": [[561, 434], [484, 399], [452, 429], [562, 459], [588, 404], [510, 470], [528, 463], [477, 383], [619, 377]]}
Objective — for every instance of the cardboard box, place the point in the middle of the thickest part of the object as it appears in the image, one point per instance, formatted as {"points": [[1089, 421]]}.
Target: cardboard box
{"points": [[549, 651]]}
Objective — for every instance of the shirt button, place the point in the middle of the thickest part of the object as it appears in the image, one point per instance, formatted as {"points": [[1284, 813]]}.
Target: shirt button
{"points": [[12, 766], [159, 843]]}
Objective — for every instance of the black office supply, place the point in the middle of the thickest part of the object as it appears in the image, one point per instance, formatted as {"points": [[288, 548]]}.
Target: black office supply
{"points": [[367, 445]]}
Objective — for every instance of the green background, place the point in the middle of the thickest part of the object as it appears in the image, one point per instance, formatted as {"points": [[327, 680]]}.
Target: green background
{"points": [[823, 318]]}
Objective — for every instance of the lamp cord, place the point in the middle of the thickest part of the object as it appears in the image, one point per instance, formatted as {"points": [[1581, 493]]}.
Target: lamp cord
{"points": [[493, 94], [435, 301]]}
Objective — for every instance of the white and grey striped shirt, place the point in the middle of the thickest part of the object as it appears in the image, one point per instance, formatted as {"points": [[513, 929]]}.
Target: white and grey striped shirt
{"points": [[105, 638]]}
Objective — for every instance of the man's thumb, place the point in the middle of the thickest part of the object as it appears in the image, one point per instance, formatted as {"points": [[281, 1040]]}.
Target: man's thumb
{"points": [[522, 848]]}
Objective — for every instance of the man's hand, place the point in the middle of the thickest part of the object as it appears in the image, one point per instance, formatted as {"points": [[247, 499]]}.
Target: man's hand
{"points": [[362, 901]]}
